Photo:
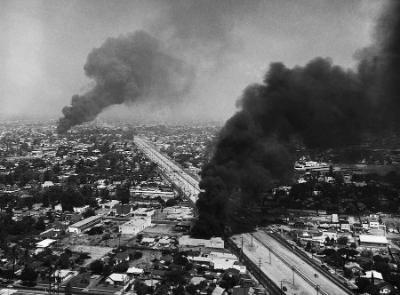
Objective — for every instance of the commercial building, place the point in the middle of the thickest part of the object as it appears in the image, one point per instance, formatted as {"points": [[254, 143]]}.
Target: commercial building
{"points": [[186, 242], [80, 210], [117, 279], [152, 194], [370, 241], [135, 225], [84, 224], [40, 246]]}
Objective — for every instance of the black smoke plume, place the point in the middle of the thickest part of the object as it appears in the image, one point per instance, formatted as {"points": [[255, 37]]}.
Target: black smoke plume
{"points": [[127, 69], [319, 105], [136, 68]]}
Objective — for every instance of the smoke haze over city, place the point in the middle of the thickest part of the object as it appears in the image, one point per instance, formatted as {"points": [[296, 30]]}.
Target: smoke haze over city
{"points": [[190, 147], [319, 106], [229, 44]]}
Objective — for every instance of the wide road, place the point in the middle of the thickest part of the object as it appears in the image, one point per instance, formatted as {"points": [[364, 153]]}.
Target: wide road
{"points": [[312, 274], [278, 262], [281, 273], [188, 185]]}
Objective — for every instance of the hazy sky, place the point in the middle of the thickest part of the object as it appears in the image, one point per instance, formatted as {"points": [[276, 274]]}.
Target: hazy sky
{"points": [[44, 45]]}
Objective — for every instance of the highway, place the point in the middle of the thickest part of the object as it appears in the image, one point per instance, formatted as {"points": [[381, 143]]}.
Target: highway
{"points": [[277, 261], [313, 275], [188, 185], [279, 272]]}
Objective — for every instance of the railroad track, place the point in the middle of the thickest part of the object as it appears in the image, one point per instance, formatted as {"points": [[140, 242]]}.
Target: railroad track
{"points": [[327, 274], [302, 255], [270, 286]]}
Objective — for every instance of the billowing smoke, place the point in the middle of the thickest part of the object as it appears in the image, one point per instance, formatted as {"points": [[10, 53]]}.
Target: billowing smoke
{"points": [[137, 68], [204, 26], [319, 105], [127, 69]]}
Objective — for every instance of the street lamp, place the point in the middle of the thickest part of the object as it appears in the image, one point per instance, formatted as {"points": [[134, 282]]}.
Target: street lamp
{"points": [[317, 288]]}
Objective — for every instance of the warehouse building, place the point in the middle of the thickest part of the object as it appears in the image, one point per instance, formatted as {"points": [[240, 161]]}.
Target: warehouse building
{"points": [[371, 241], [135, 225], [84, 224]]}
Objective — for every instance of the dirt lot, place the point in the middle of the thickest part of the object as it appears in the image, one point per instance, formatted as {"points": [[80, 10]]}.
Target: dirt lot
{"points": [[93, 251]]}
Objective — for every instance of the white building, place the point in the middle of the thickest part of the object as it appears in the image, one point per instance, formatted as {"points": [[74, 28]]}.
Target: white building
{"points": [[220, 261], [117, 279], [188, 242], [374, 224], [150, 193], [84, 224], [371, 241], [40, 246], [134, 271], [47, 184], [58, 207], [135, 225], [80, 210], [109, 205], [65, 274], [179, 213]]}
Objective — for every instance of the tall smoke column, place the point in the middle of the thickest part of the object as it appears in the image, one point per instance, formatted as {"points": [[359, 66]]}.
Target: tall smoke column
{"points": [[388, 43], [127, 69], [320, 105], [136, 68]]}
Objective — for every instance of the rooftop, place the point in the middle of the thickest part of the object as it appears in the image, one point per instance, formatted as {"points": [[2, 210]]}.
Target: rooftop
{"points": [[373, 239], [86, 220], [45, 243]]}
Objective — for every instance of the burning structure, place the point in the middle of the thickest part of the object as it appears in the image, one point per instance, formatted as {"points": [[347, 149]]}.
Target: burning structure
{"points": [[319, 105]]}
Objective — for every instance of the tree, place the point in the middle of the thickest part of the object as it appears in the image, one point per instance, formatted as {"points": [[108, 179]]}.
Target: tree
{"points": [[362, 284], [230, 279], [63, 261], [180, 290], [89, 212], [123, 195], [179, 259], [40, 225], [97, 230], [137, 255], [175, 276], [28, 276], [171, 202], [68, 289], [343, 240], [97, 267], [141, 288], [121, 267]]}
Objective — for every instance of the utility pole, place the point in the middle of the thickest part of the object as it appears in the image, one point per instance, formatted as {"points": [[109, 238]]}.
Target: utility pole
{"points": [[50, 273], [269, 256], [14, 258], [293, 274], [241, 248]]}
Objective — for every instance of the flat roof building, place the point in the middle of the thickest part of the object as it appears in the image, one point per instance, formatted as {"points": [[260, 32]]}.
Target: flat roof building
{"points": [[135, 225], [84, 224], [188, 242], [40, 246], [371, 241]]}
